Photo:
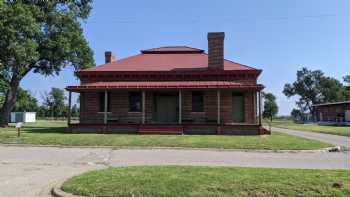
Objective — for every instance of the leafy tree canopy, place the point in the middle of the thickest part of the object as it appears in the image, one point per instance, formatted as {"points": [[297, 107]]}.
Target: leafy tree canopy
{"points": [[54, 101], [270, 106], [297, 115], [347, 79], [25, 101], [40, 36], [75, 111], [3, 89], [314, 87]]}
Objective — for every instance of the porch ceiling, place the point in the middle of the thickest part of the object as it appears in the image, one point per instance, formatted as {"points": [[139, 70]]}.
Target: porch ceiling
{"points": [[164, 85]]}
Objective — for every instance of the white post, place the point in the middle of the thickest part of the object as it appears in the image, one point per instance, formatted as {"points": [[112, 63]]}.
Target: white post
{"points": [[143, 107], [105, 107], [219, 106], [180, 107]]}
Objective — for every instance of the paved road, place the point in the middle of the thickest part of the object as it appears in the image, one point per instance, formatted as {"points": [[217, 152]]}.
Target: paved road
{"points": [[27, 171], [328, 138]]}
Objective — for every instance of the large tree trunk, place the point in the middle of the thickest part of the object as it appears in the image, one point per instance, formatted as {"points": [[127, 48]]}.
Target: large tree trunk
{"points": [[9, 102]]}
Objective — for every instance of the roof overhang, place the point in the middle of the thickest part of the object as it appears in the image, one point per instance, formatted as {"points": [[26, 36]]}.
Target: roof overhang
{"points": [[99, 86], [334, 103], [179, 71]]}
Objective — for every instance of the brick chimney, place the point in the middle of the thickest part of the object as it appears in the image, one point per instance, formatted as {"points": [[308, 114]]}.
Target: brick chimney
{"points": [[216, 50], [109, 57]]}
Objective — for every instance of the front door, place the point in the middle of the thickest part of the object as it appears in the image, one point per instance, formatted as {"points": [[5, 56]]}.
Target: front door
{"points": [[166, 108], [237, 107]]}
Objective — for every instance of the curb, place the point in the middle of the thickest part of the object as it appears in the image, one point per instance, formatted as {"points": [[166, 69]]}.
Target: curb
{"points": [[56, 191], [328, 149]]}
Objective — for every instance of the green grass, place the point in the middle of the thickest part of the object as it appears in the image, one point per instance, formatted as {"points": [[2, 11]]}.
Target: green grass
{"points": [[53, 133], [209, 181], [335, 130]]}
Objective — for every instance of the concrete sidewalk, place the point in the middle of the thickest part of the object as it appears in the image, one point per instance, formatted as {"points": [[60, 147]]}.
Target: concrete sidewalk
{"points": [[336, 140], [26, 171]]}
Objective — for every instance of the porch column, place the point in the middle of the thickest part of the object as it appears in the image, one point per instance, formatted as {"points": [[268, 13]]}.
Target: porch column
{"points": [[69, 107], [143, 107], [259, 108], [219, 106], [255, 106], [105, 108], [180, 107]]}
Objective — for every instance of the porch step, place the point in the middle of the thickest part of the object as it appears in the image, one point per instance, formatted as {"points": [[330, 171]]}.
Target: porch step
{"points": [[161, 129]]}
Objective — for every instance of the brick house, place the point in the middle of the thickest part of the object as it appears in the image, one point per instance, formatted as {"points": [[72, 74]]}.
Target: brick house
{"points": [[171, 90], [337, 112]]}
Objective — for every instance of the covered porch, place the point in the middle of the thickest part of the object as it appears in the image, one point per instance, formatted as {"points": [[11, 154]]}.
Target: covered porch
{"points": [[168, 108]]}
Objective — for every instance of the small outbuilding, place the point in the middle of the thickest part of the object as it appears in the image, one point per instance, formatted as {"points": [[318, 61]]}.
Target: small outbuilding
{"points": [[23, 116], [337, 112]]}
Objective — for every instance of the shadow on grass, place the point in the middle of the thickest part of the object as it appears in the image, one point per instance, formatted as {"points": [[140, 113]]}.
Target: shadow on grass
{"points": [[58, 130]]}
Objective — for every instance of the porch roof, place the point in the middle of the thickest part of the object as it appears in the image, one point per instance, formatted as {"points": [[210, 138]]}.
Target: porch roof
{"points": [[164, 85]]}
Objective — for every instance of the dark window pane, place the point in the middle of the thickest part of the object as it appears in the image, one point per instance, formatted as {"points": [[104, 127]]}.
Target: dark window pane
{"points": [[135, 101], [197, 101], [102, 102]]}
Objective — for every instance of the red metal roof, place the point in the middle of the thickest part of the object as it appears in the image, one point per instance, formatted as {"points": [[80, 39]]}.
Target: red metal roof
{"points": [[163, 85], [166, 59]]}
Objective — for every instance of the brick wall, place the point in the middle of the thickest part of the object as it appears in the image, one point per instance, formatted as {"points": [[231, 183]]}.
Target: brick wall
{"points": [[226, 106], [120, 108], [216, 50], [249, 107], [89, 108]]}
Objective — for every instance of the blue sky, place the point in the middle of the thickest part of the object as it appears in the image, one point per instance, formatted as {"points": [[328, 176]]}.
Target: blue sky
{"points": [[278, 36]]}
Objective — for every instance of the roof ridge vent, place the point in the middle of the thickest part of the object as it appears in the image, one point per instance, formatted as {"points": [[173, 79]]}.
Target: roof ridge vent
{"points": [[172, 50]]}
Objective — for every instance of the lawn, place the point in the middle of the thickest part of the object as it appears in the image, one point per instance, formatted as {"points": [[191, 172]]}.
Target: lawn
{"points": [[336, 130], [209, 181], [53, 133]]}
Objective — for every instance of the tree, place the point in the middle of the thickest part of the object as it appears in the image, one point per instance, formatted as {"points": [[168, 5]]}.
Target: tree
{"points": [[25, 101], [3, 88], [54, 102], [297, 115], [42, 111], [347, 79], [313, 87], [75, 111], [40, 37], [270, 106]]}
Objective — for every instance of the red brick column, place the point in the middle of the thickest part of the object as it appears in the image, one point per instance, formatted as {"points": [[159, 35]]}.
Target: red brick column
{"points": [[259, 108], [69, 107]]}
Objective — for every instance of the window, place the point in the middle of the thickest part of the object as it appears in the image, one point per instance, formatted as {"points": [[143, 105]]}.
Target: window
{"points": [[135, 101], [102, 101], [197, 101]]}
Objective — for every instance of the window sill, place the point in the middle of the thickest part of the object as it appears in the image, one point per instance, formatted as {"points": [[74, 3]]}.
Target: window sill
{"points": [[134, 112]]}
